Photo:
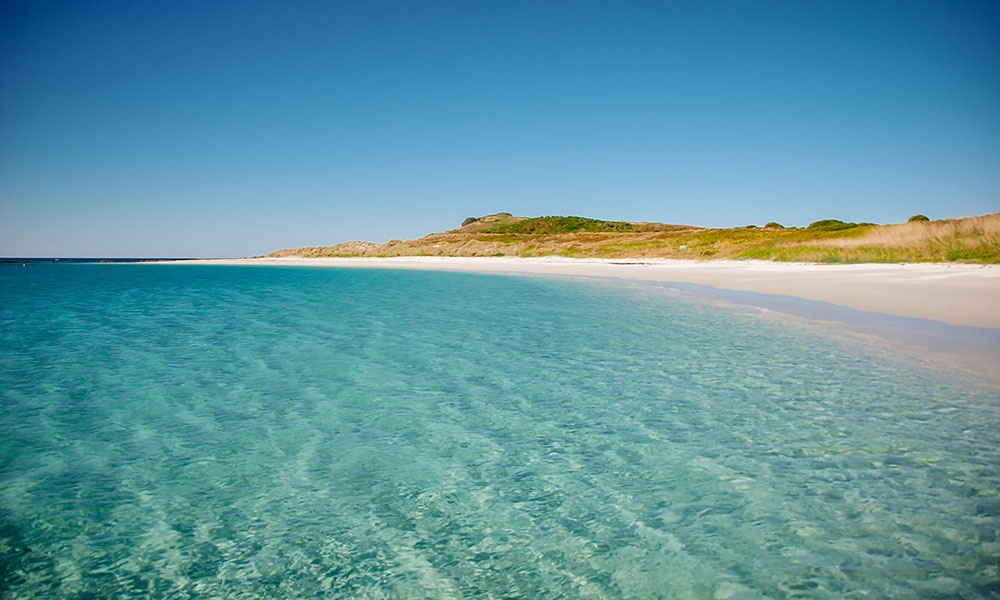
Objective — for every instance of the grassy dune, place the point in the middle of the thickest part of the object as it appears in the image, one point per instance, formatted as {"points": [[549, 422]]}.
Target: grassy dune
{"points": [[974, 240]]}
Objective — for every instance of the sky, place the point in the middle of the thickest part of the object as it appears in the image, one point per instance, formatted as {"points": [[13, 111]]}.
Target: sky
{"points": [[215, 128]]}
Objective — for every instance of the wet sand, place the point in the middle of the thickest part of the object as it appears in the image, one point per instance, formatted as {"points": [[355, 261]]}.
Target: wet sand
{"points": [[945, 314], [952, 293]]}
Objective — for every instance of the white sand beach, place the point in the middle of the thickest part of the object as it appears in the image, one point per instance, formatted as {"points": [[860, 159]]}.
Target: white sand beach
{"points": [[945, 315], [958, 294]]}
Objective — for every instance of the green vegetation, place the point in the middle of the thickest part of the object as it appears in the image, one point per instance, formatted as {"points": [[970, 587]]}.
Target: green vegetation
{"points": [[984, 255], [559, 225], [975, 240], [469, 221], [917, 218], [834, 225]]}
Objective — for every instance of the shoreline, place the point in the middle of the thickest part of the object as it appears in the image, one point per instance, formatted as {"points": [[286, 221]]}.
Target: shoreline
{"points": [[944, 316], [958, 294]]}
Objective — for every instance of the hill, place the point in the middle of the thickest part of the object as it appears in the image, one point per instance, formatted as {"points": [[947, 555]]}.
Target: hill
{"points": [[975, 239]]}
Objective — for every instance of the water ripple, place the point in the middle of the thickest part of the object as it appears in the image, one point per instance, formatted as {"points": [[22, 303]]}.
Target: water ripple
{"points": [[242, 432]]}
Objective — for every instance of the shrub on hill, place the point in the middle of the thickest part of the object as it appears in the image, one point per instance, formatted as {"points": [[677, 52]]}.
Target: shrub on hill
{"points": [[469, 220], [916, 218], [834, 225], [774, 225], [557, 225]]}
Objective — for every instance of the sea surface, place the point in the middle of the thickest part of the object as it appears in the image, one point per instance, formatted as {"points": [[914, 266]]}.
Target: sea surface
{"points": [[29, 260], [184, 431]]}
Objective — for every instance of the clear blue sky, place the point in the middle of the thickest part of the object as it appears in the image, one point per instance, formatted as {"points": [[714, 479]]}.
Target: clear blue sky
{"points": [[200, 128]]}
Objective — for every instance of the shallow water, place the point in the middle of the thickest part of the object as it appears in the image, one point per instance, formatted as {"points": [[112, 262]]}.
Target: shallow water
{"points": [[207, 431]]}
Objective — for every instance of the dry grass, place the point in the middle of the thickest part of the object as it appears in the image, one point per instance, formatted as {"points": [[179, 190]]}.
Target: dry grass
{"points": [[976, 239], [926, 233]]}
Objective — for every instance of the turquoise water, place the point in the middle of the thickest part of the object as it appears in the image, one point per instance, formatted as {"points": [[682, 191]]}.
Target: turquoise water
{"points": [[239, 432]]}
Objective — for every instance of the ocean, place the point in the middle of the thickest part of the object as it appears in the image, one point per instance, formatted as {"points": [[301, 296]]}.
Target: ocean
{"points": [[187, 431]]}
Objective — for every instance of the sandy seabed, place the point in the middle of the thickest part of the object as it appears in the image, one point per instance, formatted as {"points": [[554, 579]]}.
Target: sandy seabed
{"points": [[947, 313], [952, 293]]}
